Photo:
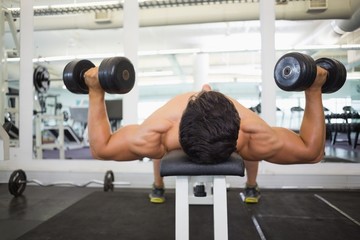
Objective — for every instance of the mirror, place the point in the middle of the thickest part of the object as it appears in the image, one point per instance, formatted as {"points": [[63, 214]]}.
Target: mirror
{"points": [[167, 53]]}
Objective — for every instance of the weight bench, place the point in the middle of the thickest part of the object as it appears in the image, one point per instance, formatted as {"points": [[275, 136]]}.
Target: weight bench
{"points": [[177, 163]]}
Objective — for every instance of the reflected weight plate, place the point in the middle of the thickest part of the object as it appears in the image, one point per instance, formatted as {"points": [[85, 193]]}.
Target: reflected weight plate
{"points": [[41, 79]]}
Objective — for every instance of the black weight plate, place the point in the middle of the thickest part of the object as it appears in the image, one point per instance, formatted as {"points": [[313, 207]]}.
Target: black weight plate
{"points": [[336, 74], [294, 72], [110, 85], [108, 181], [125, 75], [17, 183], [104, 74], [41, 79], [73, 76], [311, 72], [119, 76]]}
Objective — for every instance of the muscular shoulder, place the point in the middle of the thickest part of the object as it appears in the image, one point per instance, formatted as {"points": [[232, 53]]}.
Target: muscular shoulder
{"points": [[258, 141], [147, 141]]}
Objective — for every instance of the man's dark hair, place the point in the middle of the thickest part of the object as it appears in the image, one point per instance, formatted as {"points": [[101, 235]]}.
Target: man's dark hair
{"points": [[209, 128]]}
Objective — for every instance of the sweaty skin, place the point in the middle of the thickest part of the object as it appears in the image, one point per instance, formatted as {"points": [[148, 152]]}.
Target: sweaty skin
{"points": [[159, 133]]}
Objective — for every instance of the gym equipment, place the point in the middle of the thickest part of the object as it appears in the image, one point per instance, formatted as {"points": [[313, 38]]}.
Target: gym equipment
{"points": [[211, 190], [336, 74], [347, 128], [4, 143], [11, 110], [71, 138], [109, 181], [41, 79], [73, 76], [18, 181], [40, 132], [296, 72], [116, 75]]}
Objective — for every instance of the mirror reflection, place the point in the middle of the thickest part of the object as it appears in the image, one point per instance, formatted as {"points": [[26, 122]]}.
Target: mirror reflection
{"points": [[9, 82], [67, 30]]}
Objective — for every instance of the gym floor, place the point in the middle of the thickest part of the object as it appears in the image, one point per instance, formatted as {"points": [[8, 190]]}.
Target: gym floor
{"points": [[39, 205], [90, 213]]}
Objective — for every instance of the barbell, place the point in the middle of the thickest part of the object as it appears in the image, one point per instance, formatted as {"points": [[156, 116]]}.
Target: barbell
{"points": [[18, 182]]}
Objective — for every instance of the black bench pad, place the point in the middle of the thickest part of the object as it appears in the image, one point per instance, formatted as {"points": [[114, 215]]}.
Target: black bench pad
{"points": [[177, 163]]}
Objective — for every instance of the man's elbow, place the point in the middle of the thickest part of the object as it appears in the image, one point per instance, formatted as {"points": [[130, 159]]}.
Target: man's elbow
{"points": [[95, 155], [317, 158], [98, 153]]}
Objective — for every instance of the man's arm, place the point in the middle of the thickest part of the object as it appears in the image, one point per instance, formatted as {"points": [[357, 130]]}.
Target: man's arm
{"points": [[308, 146], [103, 143], [283, 146], [130, 142]]}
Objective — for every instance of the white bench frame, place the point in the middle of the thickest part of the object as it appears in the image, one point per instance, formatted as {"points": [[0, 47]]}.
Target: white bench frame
{"points": [[184, 197]]}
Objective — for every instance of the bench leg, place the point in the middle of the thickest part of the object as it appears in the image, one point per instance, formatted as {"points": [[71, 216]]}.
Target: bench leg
{"points": [[181, 208], [220, 209]]}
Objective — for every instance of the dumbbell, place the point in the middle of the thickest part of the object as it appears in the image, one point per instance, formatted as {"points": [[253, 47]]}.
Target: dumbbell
{"points": [[116, 75], [296, 72]]}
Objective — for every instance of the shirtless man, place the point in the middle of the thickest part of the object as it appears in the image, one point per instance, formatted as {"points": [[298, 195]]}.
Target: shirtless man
{"points": [[208, 126]]}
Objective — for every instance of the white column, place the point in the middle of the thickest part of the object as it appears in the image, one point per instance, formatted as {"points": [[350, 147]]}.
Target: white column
{"points": [[201, 70], [3, 86], [268, 95], [26, 81], [131, 34]]}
